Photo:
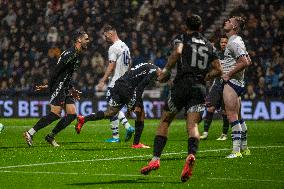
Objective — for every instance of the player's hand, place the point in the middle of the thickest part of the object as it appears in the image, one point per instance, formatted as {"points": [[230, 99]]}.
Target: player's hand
{"points": [[101, 85], [75, 93], [207, 78], [40, 87], [164, 76]]}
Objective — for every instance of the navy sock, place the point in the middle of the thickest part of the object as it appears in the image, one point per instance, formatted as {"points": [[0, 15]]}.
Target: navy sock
{"points": [[139, 126], [45, 121], [159, 144], [193, 144], [226, 124], [95, 116], [208, 120], [63, 123]]}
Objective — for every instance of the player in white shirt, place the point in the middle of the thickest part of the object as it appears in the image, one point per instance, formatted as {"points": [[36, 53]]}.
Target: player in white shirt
{"points": [[119, 63], [235, 61]]}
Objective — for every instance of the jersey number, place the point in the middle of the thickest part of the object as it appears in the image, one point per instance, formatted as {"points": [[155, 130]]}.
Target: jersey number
{"points": [[201, 51], [126, 58]]}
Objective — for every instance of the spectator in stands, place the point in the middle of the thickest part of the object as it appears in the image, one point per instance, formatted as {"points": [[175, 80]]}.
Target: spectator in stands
{"points": [[250, 94], [29, 25]]}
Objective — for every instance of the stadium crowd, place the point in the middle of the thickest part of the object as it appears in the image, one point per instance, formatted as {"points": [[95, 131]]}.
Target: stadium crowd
{"points": [[33, 33]]}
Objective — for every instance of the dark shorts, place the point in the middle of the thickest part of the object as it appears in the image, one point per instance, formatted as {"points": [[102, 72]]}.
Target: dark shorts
{"points": [[215, 95], [188, 95], [121, 95], [61, 98]]}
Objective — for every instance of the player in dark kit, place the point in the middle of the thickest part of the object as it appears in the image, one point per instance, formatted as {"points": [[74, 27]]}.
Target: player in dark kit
{"points": [[196, 62], [63, 95], [214, 99], [127, 90]]}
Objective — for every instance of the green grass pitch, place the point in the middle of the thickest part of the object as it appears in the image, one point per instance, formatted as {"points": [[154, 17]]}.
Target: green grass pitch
{"points": [[85, 161]]}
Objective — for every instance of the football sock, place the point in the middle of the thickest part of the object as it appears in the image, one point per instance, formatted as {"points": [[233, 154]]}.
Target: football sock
{"points": [[244, 141], [236, 135], [225, 124], [192, 146], [139, 126], [208, 120], [123, 120], [62, 124], [114, 127], [159, 144], [95, 116], [43, 122]]}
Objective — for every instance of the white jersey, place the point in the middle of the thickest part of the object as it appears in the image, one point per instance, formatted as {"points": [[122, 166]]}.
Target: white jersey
{"points": [[119, 53], [234, 49]]}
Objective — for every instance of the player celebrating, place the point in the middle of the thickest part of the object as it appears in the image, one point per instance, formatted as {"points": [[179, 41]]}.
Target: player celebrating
{"points": [[196, 62], [234, 64], [127, 90], [119, 63], [63, 95]]}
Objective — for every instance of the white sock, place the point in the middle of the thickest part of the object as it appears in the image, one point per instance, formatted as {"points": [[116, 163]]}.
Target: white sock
{"points": [[32, 131], [114, 127], [205, 133], [155, 158], [236, 135], [123, 120], [244, 142]]}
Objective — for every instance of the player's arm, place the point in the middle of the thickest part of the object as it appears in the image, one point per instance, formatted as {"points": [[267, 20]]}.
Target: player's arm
{"points": [[40, 87], [216, 70], [109, 71], [172, 60], [243, 61], [63, 60]]}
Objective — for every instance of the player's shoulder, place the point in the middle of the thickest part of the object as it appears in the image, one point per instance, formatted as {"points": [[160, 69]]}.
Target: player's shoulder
{"points": [[235, 40], [117, 46], [179, 38], [68, 52]]}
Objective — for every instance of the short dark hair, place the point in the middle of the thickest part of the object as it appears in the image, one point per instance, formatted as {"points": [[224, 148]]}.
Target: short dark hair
{"points": [[77, 34], [223, 36], [109, 27], [241, 22], [194, 22]]}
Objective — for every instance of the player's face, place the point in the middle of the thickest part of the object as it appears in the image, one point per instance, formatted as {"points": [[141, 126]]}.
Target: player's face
{"points": [[108, 36], [223, 43], [230, 25], [85, 41]]}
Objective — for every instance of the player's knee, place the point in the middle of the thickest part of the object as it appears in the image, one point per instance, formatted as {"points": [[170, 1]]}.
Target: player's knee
{"points": [[192, 125], [168, 118], [232, 116], [56, 112], [110, 113]]}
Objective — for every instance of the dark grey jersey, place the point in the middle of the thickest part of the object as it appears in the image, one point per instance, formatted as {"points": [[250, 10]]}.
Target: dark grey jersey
{"points": [[61, 75]]}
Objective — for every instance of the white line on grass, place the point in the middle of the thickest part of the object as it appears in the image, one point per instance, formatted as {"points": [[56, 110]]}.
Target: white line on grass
{"points": [[121, 158], [72, 173], [245, 179]]}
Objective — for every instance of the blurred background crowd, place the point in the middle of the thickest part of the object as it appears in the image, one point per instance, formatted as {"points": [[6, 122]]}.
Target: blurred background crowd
{"points": [[33, 33]]}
